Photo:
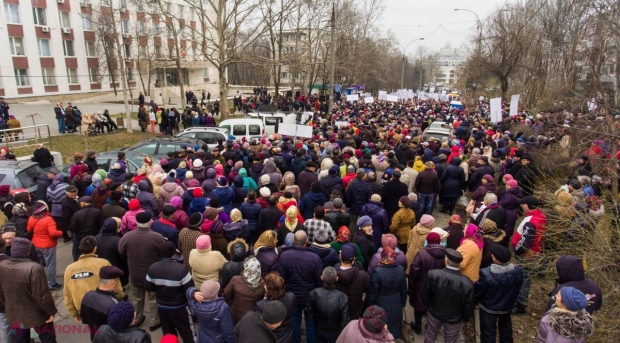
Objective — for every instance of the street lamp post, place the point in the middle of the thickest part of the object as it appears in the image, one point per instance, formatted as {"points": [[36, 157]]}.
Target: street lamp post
{"points": [[479, 26], [332, 48], [402, 75]]}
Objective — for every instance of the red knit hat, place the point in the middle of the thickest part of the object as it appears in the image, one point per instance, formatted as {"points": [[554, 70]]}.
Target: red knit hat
{"points": [[134, 204], [197, 192], [169, 338]]}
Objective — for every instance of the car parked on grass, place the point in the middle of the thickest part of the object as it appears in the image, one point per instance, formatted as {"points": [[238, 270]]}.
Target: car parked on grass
{"points": [[21, 175], [105, 160], [160, 146], [207, 135]]}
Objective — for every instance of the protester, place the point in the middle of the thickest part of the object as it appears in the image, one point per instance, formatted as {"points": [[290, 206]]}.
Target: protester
{"points": [[213, 314], [97, 303], [567, 321], [122, 326], [205, 263], [275, 290], [352, 280], [44, 237], [372, 327], [259, 328], [571, 274], [328, 307]]}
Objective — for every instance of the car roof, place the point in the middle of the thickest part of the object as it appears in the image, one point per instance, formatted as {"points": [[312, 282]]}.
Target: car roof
{"points": [[17, 165], [204, 128]]}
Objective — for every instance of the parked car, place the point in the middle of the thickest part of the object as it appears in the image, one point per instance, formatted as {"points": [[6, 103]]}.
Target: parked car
{"points": [[207, 135], [21, 174], [247, 127], [105, 160], [159, 147], [439, 130]]}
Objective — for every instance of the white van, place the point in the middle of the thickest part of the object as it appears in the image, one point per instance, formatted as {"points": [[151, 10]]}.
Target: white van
{"points": [[248, 128], [270, 120]]}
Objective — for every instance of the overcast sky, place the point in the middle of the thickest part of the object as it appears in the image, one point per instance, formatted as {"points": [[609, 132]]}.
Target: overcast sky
{"points": [[424, 15]]}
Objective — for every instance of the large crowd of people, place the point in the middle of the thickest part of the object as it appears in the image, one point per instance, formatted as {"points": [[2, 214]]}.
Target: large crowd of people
{"points": [[339, 230]]}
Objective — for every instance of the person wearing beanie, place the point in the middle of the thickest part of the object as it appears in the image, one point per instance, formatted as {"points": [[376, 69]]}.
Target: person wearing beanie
{"points": [[122, 326], [224, 193], [141, 247], [115, 206], [170, 280], [97, 303], [427, 259], [189, 235], [364, 239], [321, 246], [83, 276], [391, 193], [371, 327], [402, 221], [213, 313], [257, 327], [311, 200], [497, 290], [378, 215], [353, 280], [328, 308], [165, 226], [567, 321], [44, 237], [179, 217], [198, 203], [85, 222], [449, 296], [128, 221], [417, 237], [25, 297], [205, 263]]}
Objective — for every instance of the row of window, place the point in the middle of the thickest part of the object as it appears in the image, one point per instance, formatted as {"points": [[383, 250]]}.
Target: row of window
{"points": [[39, 15], [16, 45], [22, 79]]}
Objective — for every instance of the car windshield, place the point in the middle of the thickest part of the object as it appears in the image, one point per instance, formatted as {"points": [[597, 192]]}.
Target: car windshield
{"points": [[438, 135], [30, 176]]}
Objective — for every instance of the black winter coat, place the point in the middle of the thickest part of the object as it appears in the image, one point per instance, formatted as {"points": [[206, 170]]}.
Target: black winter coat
{"points": [[388, 289], [269, 218], [94, 309], [305, 180], [366, 244], [269, 260], [449, 295], [301, 270], [404, 154], [380, 221], [354, 283], [170, 280], [331, 183], [391, 192], [250, 210], [337, 219], [375, 188], [86, 222], [329, 257], [329, 308], [453, 180], [498, 287], [425, 260], [571, 274], [284, 333], [475, 180], [509, 201], [132, 334], [238, 252], [358, 195], [297, 166]]}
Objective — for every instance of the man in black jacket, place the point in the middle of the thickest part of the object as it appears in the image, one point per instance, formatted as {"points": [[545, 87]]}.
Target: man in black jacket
{"points": [[96, 304], [329, 308], [43, 157], [337, 217], [391, 192], [268, 218], [427, 185], [449, 296], [483, 168], [352, 280], [357, 195], [169, 279], [85, 222], [497, 291]]}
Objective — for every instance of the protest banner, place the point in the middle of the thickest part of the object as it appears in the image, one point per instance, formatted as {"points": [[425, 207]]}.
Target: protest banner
{"points": [[353, 97], [369, 100], [514, 104], [392, 98], [496, 110]]}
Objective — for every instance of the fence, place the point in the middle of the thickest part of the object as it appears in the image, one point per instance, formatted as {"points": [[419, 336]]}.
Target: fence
{"points": [[10, 137]]}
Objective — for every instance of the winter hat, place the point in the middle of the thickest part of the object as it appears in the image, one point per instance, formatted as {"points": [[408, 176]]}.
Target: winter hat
{"points": [[343, 234], [427, 220], [195, 219], [134, 204], [203, 242], [274, 312], [347, 251], [405, 201], [573, 299], [5, 190], [167, 249], [39, 208], [176, 202], [501, 253], [412, 197], [189, 174], [375, 198], [172, 176], [374, 319], [121, 315], [197, 192], [575, 184], [488, 178], [265, 179], [265, 192], [433, 238], [169, 338], [163, 162], [209, 289], [389, 240], [168, 210], [197, 163], [321, 236], [193, 183], [364, 221], [512, 183], [333, 170], [222, 181], [316, 187], [143, 217], [20, 247]]}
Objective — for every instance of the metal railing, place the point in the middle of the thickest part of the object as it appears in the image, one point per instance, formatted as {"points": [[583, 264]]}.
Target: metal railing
{"points": [[9, 136]]}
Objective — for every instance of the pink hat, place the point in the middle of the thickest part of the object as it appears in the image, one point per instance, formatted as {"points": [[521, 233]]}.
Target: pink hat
{"points": [[427, 220], [203, 242], [389, 240], [488, 177], [176, 201], [512, 183]]}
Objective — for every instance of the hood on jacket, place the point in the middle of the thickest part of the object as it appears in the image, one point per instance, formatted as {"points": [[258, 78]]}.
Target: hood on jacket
{"points": [[210, 310], [518, 192], [319, 250], [289, 178], [169, 186], [348, 276], [455, 149], [570, 268], [455, 161], [331, 180], [143, 185], [211, 173], [270, 167], [438, 253], [243, 172], [238, 250], [316, 197], [357, 185], [404, 147], [109, 227], [502, 273], [257, 168], [238, 180], [491, 187], [422, 230], [373, 207], [116, 172]]}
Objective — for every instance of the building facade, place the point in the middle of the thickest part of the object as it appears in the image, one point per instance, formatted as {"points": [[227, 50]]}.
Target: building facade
{"points": [[449, 59]]}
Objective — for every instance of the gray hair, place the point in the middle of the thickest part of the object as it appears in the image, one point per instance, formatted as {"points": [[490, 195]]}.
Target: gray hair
{"points": [[584, 180], [145, 225], [490, 198], [300, 239], [452, 264], [329, 275], [105, 282], [476, 151]]}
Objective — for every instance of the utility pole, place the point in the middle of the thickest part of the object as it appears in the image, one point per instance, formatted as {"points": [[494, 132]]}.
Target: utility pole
{"points": [[332, 50], [402, 74]]}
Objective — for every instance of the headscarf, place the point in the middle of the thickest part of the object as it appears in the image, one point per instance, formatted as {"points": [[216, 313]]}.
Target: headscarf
{"points": [[102, 173], [97, 180], [473, 233], [388, 256], [82, 170], [148, 160], [291, 218], [58, 179], [455, 219], [235, 215], [594, 203], [289, 239], [251, 273], [343, 234], [157, 169], [266, 239]]}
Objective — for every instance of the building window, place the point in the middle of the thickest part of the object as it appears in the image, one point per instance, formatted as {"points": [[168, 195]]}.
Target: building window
{"points": [[125, 26], [21, 77], [65, 19], [155, 29], [205, 72], [72, 75], [93, 75], [126, 50], [90, 49], [123, 3], [68, 47], [48, 76], [140, 27], [285, 75], [11, 13], [158, 51], [38, 14], [17, 46], [180, 11], [44, 47], [192, 13], [129, 74], [86, 23]]}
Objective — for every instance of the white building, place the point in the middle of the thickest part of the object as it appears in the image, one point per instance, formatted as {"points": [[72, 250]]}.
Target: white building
{"points": [[449, 59], [58, 46]]}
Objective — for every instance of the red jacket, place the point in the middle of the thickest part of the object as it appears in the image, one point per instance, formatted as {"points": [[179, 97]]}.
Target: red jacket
{"points": [[539, 220], [45, 231], [347, 178]]}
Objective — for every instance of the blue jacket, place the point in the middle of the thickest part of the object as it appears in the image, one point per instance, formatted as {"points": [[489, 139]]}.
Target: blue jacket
{"points": [[388, 289], [250, 210], [301, 270], [169, 232], [329, 257], [309, 202], [214, 318], [380, 221], [226, 196], [498, 287], [358, 195], [197, 205], [297, 166]]}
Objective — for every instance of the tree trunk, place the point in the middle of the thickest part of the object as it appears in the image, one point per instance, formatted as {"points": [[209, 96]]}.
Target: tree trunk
{"points": [[504, 81], [224, 110]]}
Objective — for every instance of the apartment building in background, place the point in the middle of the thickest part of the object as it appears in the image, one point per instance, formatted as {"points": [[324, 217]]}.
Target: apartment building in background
{"points": [[448, 60], [68, 46]]}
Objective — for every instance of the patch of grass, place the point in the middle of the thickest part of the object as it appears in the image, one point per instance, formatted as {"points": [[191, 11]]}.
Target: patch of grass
{"points": [[134, 115], [69, 144]]}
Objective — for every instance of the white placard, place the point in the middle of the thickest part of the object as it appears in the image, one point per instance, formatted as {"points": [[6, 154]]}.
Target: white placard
{"points": [[392, 98], [304, 131], [353, 97], [369, 100], [481, 98], [382, 95], [443, 97], [340, 124], [367, 95], [592, 104], [433, 95], [287, 129], [496, 110], [443, 92], [514, 104]]}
